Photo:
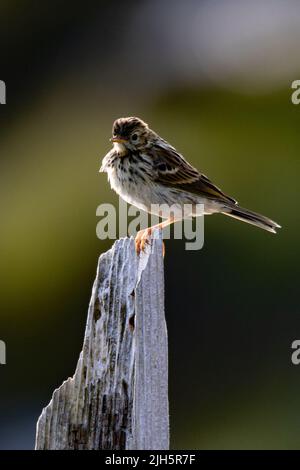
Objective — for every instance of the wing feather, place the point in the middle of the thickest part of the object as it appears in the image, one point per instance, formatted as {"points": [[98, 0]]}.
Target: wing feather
{"points": [[173, 170]]}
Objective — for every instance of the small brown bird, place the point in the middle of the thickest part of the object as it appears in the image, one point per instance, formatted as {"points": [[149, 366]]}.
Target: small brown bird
{"points": [[147, 171]]}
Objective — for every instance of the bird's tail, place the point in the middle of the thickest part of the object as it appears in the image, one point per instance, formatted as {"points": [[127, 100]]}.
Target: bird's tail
{"points": [[253, 218]]}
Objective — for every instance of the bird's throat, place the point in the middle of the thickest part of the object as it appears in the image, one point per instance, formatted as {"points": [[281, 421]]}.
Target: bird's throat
{"points": [[120, 149]]}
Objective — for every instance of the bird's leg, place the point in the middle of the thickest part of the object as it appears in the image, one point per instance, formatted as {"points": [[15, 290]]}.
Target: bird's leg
{"points": [[142, 237], [138, 240]]}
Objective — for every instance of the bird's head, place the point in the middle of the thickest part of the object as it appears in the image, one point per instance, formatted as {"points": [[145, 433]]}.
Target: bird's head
{"points": [[130, 133]]}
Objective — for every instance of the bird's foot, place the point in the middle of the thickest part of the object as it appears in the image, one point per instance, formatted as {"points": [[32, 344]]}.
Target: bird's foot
{"points": [[143, 238]]}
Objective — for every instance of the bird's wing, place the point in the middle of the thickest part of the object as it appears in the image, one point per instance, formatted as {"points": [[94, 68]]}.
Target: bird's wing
{"points": [[173, 170]]}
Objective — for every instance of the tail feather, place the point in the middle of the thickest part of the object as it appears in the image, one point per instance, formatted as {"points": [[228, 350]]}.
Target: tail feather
{"points": [[252, 218]]}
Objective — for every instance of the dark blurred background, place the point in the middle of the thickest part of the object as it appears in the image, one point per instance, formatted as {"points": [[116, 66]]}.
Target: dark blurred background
{"points": [[213, 78]]}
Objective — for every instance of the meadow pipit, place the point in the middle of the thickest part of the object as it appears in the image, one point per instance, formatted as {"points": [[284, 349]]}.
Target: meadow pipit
{"points": [[147, 171]]}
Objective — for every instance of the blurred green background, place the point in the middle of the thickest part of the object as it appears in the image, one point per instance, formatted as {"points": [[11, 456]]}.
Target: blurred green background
{"points": [[213, 78]]}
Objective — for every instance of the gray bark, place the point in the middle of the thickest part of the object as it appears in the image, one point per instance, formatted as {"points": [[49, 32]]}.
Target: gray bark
{"points": [[118, 396]]}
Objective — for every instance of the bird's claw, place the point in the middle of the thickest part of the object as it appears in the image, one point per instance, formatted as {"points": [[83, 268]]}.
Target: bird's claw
{"points": [[143, 239]]}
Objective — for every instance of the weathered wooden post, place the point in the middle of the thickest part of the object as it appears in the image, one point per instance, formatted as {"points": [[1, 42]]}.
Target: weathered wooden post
{"points": [[118, 396]]}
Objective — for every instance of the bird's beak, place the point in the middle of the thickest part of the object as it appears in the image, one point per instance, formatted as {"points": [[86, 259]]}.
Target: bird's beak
{"points": [[118, 140]]}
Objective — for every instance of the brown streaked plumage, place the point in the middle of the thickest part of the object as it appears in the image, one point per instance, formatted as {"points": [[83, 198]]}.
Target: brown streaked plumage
{"points": [[145, 170]]}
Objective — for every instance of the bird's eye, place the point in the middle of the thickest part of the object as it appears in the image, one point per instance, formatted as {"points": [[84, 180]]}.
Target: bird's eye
{"points": [[134, 137]]}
